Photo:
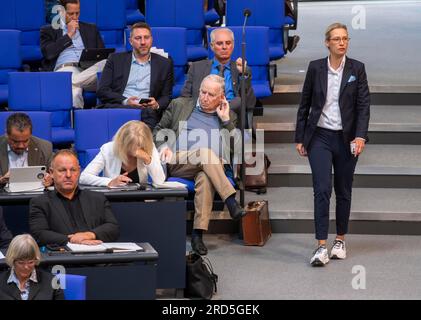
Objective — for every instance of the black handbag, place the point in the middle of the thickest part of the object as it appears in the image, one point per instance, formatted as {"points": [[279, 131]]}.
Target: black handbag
{"points": [[200, 278]]}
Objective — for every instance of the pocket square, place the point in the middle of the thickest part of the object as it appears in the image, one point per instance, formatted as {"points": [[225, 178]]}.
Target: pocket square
{"points": [[351, 78]]}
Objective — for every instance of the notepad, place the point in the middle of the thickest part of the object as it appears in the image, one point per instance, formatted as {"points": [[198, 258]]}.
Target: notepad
{"points": [[169, 185], [105, 247]]}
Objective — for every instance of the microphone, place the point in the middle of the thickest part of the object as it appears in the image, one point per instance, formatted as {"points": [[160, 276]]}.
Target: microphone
{"points": [[247, 12]]}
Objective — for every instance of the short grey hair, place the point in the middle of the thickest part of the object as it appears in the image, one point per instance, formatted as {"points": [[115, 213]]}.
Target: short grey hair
{"points": [[23, 247], [333, 26], [214, 31], [215, 78]]}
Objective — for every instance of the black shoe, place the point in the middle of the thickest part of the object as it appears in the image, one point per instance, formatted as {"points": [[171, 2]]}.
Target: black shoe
{"points": [[198, 246], [235, 210], [292, 42]]}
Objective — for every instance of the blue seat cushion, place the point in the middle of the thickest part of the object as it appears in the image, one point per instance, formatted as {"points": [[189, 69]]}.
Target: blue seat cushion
{"points": [[62, 135], [134, 16], [261, 89], [276, 52], [86, 156], [176, 90], [196, 52]]}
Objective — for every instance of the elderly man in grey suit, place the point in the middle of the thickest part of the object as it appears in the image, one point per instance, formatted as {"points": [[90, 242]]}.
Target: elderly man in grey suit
{"points": [[222, 45], [19, 148]]}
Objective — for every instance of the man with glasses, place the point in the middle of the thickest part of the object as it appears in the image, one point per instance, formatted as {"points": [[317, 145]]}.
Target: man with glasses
{"points": [[332, 125], [69, 214], [19, 148]]}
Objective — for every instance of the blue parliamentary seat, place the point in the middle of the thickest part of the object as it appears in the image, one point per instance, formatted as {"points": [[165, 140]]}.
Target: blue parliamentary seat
{"points": [[75, 287], [133, 13], [187, 14], [41, 123], [10, 59], [110, 18], [27, 16], [95, 127], [45, 91], [269, 13], [173, 41]]}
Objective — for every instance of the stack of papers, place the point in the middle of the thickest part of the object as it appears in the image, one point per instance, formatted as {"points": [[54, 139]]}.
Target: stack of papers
{"points": [[169, 185], [105, 247]]}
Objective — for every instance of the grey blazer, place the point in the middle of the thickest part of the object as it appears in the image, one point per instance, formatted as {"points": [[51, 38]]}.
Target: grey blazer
{"points": [[40, 152], [200, 69]]}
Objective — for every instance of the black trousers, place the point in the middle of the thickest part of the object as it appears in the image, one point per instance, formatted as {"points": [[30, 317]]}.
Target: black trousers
{"points": [[327, 149]]}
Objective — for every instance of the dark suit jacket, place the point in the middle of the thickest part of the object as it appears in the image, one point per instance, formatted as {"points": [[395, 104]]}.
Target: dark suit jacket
{"points": [[354, 101], [116, 74], [200, 69], [49, 222], [40, 152], [37, 291], [5, 234], [53, 42]]}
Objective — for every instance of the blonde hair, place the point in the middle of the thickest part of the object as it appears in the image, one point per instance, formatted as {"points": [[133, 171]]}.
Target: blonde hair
{"points": [[23, 247], [132, 135], [333, 26]]}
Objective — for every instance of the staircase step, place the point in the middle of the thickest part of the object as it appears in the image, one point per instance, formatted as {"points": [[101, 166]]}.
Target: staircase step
{"points": [[389, 124], [368, 204]]}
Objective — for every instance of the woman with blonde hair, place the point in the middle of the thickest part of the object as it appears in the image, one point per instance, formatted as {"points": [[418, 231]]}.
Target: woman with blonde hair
{"points": [[25, 281], [130, 157]]}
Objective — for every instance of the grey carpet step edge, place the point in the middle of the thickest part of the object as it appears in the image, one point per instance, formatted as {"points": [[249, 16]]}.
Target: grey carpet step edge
{"points": [[276, 214], [360, 170], [374, 127]]}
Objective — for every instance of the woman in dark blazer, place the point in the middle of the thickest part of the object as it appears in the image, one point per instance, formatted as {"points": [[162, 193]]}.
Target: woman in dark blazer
{"points": [[24, 281], [332, 125]]}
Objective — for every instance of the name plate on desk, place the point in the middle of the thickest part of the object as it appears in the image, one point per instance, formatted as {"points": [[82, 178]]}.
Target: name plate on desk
{"points": [[104, 247]]}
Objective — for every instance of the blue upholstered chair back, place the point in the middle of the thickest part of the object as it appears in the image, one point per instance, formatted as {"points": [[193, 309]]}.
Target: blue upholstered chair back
{"points": [[269, 13], [45, 91], [10, 59], [75, 287], [97, 126], [187, 14], [110, 18], [41, 123], [27, 16]]}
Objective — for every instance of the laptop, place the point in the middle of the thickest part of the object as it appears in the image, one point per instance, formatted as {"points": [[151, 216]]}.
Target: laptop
{"points": [[26, 179], [93, 55]]}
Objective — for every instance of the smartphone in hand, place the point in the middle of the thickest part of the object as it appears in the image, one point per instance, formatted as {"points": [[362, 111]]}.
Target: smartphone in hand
{"points": [[144, 100]]}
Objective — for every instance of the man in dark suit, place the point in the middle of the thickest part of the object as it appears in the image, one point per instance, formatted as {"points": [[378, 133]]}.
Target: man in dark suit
{"points": [[69, 214], [19, 148], [62, 46], [131, 76], [332, 125], [222, 45]]}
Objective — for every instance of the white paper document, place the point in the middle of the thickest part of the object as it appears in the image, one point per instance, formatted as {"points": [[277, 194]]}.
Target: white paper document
{"points": [[1, 255], [105, 247], [169, 185]]}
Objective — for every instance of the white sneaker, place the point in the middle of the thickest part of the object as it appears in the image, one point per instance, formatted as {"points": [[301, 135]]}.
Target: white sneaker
{"points": [[320, 257], [338, 250]]}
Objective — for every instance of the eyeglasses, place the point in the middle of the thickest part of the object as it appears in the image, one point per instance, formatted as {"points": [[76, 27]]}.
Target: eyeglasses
{"points": [[25, 262], [338, 39]]}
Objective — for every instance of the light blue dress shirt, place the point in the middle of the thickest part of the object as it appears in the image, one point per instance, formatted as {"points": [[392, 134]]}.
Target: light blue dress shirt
{"points": [[17, 160], [24, 294], [229, 90], [72, 53], [139, 82]]}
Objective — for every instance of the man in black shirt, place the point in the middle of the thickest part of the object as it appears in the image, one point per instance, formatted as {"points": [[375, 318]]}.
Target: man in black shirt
{"points": [[69, 214]]}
